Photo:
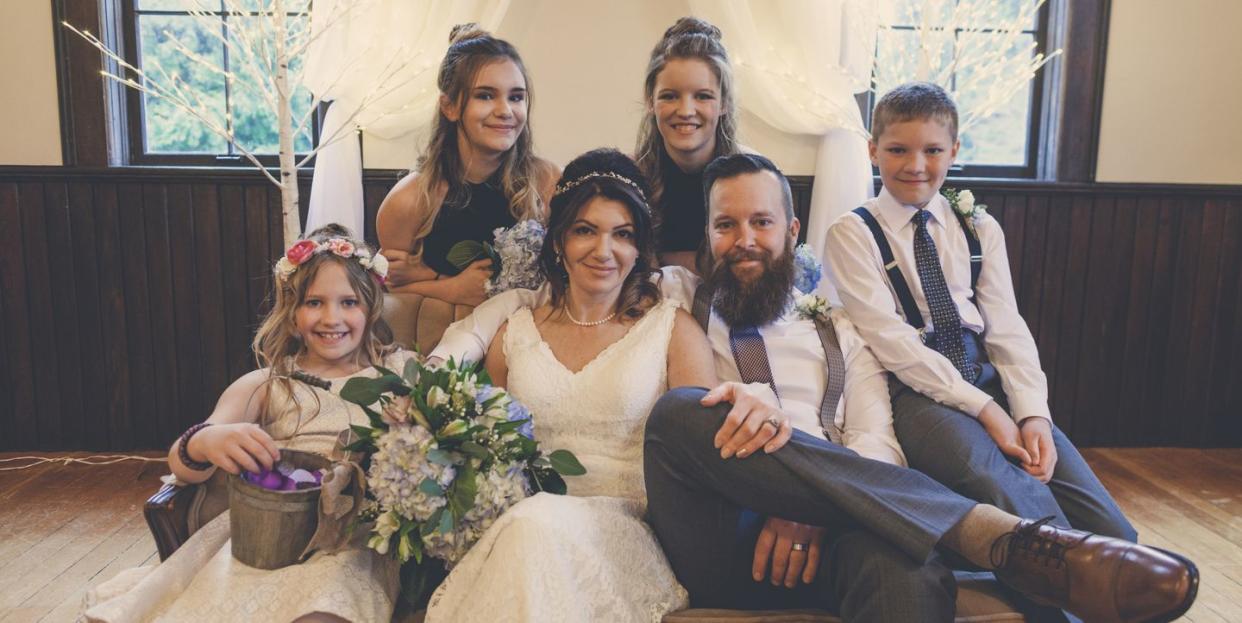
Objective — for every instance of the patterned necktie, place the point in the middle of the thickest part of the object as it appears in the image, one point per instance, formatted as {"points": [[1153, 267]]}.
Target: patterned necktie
{"points": [[751, 356], [945, 320]]}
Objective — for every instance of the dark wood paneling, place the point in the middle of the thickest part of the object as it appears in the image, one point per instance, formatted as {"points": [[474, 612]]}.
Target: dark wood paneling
{"points": [[129, 299]]}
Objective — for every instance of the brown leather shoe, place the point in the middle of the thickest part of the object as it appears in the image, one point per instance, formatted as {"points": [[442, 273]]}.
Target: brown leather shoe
{"points": [[1097, 578]]}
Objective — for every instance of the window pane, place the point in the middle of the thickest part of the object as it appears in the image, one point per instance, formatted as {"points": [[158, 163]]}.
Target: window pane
{"points": [[290, 6], [178, 5], [1000, 138], [903, 56], [913, 12], [993, 13], [254, 121], [168, 128]]}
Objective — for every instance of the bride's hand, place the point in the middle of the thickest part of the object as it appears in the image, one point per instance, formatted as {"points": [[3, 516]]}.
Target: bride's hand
{"points": [[754, 422]]}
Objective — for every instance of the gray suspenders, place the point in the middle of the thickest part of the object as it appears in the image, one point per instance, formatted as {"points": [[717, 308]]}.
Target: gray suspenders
{"points": [[701, 310]]}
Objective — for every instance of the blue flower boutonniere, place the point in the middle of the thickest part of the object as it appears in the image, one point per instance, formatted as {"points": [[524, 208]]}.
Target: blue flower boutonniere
{"points": [[963, 202], [808, 270]]}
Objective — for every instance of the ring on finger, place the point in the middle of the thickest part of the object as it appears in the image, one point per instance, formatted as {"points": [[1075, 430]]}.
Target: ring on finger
{"points": [[775, 423], [800, 547]]}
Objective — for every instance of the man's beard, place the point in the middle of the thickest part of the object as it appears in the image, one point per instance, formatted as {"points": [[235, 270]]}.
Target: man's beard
{"points": [[759, 302]]}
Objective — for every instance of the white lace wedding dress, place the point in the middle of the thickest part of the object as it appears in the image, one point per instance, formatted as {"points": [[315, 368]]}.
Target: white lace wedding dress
{"points": [[586, 556]]}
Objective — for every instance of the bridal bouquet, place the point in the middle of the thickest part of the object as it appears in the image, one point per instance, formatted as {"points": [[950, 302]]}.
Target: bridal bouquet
{"points": [[447, 454], [515, 256]]}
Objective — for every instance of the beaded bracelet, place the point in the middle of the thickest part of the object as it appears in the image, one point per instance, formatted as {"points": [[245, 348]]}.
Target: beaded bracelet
{"points": [[183, 452]]}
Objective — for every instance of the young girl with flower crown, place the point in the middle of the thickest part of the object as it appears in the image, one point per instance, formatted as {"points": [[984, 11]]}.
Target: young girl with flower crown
{"points": [[327, 301], [477, 173]]}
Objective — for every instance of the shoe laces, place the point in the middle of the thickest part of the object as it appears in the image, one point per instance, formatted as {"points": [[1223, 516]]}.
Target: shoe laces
{"points": [[1027, 541]]}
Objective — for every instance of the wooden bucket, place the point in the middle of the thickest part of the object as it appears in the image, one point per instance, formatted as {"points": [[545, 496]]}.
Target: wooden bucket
{"points": [[269, 529]]}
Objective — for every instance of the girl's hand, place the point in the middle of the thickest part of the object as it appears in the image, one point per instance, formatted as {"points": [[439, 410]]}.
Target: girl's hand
{"points": [[468, 285], [235, 447], [402, 267]]}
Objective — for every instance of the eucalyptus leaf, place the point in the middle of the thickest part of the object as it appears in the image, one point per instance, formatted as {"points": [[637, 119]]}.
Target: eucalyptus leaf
{"points": [[440, 456], [565, 463], [463, 491], [465, 252], [361, 391], [430, 487]]}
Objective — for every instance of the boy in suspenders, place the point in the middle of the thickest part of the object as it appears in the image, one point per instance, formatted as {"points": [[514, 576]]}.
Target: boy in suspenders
{"points": [[928, 286]]}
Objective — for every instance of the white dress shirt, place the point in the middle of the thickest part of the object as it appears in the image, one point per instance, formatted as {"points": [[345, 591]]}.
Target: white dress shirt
{"points": [[864, 415], [855, 267]]}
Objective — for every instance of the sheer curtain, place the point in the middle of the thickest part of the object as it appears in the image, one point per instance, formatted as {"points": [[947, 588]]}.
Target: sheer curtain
{"points": [[378, 68], [799, 64]]}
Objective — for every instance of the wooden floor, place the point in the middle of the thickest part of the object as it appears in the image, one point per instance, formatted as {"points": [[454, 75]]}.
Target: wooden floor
{"points": [[65, 528]]}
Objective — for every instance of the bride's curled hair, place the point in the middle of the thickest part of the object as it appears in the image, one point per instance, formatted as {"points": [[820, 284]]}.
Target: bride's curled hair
{"points": [[611, 174]]}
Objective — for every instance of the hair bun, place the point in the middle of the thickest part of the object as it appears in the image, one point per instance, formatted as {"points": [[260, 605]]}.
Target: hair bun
{"points": [[466, 32], [692, 26], [331, 230]]}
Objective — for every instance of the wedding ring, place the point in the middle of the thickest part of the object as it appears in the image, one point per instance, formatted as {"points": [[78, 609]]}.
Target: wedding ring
{"points": [[774, 422], [800, 547]]}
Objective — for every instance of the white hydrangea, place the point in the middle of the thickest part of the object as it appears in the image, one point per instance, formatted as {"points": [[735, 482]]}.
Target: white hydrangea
{"points": [[399, 465], [499, 488]]}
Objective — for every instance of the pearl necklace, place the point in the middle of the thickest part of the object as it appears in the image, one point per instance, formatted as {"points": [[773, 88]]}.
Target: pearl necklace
{"points": [[593, 323]]}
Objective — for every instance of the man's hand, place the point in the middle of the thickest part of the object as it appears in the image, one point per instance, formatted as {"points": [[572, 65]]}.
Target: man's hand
{"points": [[752, 423], [1037, 439], [1003, 431], [793, 549]]}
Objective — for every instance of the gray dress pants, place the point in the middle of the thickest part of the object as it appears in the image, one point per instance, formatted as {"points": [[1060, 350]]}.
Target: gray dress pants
{"points": [[884, 521]]}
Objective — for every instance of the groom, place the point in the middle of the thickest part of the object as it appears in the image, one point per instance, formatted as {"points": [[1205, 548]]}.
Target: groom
{"points": [[730, 508]]}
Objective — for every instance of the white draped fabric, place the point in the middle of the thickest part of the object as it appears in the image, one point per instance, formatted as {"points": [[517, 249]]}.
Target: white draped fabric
{"points": [[798, 65], [376, 63]]}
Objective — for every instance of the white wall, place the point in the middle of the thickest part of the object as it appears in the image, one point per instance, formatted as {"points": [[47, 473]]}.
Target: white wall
{"points": [[1172, 93], [587, 61], [28, 64]]}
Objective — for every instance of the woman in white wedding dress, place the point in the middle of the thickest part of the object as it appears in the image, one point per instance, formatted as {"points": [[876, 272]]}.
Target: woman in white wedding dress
{"points": [[590, 364]]}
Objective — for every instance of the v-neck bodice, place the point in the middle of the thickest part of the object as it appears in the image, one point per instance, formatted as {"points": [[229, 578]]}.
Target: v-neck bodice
{"points": [[598, 412]]}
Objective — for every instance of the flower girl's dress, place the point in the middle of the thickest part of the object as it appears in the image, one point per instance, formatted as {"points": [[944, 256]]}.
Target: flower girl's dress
{"points": [[202, 582], [587, 556]]}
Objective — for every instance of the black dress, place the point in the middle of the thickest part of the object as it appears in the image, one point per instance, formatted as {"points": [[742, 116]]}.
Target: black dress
{"points": [[473, 213], [682, 208]]}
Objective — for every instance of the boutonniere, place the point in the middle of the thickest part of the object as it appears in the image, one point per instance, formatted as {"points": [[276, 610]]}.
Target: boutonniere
{"points": [[963, 202], [811, 307], [808, 270]]}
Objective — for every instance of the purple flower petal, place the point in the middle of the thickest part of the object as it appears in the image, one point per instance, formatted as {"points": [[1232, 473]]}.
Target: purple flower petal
{"points": [[271, 480]]}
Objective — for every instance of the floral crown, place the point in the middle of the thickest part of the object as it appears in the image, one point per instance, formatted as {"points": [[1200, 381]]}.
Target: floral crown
{"points": [[303, 250], [574, 183]]}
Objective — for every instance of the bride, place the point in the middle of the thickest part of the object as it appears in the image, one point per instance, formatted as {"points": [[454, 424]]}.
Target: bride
{"points": [[589, 364]]}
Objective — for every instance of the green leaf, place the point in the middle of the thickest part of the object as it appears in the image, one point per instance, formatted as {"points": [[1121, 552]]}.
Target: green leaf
{"points": [[506, 427], [373, 416], [446, 523], [430, 487], [465, 252], [440, 456], [363, 432], [433, 522], [463, 491], [565, 463], [475, 450], [361, 391], [410, 373], [545, 479]]}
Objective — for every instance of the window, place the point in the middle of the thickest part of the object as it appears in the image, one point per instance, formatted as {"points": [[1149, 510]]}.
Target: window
{"points": [[1004, 143], [158, 35]]}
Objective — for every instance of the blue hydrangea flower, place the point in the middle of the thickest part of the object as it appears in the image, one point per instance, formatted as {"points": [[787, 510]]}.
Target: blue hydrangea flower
{"points": [[519, 412], [808, 270]]}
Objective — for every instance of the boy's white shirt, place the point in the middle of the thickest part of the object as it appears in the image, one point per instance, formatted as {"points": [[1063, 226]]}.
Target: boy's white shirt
{"points": [[857, 271], [796, 356]]}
